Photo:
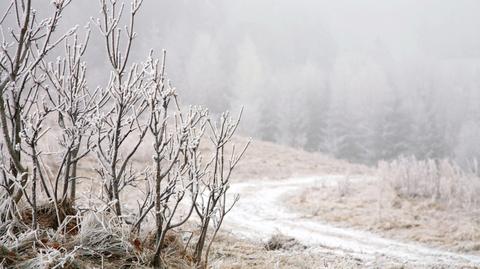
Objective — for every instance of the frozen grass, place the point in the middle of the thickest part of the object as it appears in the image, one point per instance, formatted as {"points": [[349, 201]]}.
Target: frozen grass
{"points": [[233, 253], [266, 160], [103, 242], [431, 202], [100, 239], [441, 180], [102, 235]]}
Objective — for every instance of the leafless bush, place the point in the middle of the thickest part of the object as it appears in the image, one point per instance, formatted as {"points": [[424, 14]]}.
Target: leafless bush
{"points": [[440, 180], [44, 101], [22, 90], [74, 107], [122, 116]]}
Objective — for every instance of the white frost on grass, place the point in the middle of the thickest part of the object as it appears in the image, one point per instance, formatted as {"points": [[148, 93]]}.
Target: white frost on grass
{"points": [[260, 213]]}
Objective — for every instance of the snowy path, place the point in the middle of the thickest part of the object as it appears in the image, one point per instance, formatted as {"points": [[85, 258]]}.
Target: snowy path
{"points": [[260, 213]]}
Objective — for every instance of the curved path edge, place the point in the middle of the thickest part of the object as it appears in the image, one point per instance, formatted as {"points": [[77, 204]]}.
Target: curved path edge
{"points": [[260, 213]]}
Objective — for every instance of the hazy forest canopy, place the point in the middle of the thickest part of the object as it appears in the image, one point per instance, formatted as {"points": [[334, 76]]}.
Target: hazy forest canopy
{"points": [[363, 80]]}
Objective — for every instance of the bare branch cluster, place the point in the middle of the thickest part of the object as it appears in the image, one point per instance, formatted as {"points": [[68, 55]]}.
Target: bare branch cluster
{"points": [[43, 100]]}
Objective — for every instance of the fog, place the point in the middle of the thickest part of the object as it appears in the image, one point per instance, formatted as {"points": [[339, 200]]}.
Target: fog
{"points": [[359, 80]]}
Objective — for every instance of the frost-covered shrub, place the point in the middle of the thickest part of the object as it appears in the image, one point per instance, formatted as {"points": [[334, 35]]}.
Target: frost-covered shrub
{"points": [[104, 126], [440, 180]]}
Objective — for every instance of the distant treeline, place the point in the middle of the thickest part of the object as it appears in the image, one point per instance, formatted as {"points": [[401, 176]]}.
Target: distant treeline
{"points": [[345, 84]]}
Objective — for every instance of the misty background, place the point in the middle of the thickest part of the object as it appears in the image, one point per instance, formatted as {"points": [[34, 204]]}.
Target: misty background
{"points": [[359, 80]]}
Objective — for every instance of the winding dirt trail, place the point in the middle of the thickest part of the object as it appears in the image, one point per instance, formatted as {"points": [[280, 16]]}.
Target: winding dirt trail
{"points": [[260, 213]]}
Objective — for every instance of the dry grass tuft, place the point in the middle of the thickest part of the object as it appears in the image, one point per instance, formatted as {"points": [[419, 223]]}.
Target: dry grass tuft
{"points": [[103, 239], [282, 242]]}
